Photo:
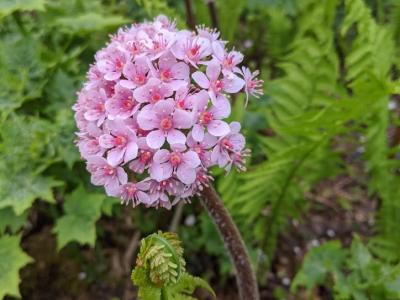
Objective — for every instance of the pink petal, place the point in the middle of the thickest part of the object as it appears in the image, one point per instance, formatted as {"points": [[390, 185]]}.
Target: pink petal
{"points": [[198, 132], [217, 99], [176, 137], [129, 70], [127, 84], [141, 94], [131, 151], [201, 79], [113, 189], [143, 197], [160, 172], [238, 141], [199, 100], [221, 110], [232, 83], [235, 127], [161, 156], [213, 70], [218, 49], [155, 139], [147, 119], [122, 176], [186, 174], [111, 76], [164, 107], [209, 141], [92, 115], [218, 128], [182, 119], [180, 71], [106, 141], [191, 159], [115, 156]]}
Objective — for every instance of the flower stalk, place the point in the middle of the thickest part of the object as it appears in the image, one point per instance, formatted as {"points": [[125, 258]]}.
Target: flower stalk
{"points": [[245, 277]]}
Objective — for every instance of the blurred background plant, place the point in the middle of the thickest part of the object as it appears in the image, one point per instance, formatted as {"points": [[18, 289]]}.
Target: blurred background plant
{"points": [[325, 141]]}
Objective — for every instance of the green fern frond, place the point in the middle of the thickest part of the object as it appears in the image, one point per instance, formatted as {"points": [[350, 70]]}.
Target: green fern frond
{"points": [[160, 270]]}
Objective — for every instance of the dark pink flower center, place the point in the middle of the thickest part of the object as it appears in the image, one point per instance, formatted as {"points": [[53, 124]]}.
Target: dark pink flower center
{"points": [[145, 156], [180, 103], [108, 171], [119, 64], [131, 189], [226, 144], [100, 107], [119, 141], [228, 61], [198, 150], [155, 96], [140, 79], [165, 75], [218, 85], [163, 184], [194, 51], [205, 117], [175, 159], [166, 124], [127, 104]]}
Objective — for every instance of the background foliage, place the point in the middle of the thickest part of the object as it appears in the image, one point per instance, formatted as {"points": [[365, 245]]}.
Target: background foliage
{"points": [[330, 109]]}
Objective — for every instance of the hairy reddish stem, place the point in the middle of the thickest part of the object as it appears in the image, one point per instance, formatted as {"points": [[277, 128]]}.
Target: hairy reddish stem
{"points": [[230, 234]]}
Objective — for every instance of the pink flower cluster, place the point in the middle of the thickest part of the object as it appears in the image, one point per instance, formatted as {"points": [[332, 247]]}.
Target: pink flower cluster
{"points": [[154, 106]]}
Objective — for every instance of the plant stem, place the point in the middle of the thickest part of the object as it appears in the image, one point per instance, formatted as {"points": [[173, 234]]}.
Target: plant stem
{"points": [[191, 22], [213, 13], [227, 229]]}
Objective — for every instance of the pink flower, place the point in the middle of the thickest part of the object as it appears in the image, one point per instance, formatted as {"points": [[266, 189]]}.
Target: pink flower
{"points": [[228, 145], [230, 60], [144, 158], [191, 49], [111, 63], [122, 142], [253, 86], [203, 148], [107, 175], [212, 35], [176, 74], [135, 73], [167, 121], [159, 191], [121, 105], [209, 118], [94, 104], [89, 142], [184, 164], [135, 193], [145, 110], [152, 92], [230, 83]]}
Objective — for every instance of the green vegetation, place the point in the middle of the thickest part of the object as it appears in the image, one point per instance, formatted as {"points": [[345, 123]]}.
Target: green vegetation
{"points": [[331, 108]]}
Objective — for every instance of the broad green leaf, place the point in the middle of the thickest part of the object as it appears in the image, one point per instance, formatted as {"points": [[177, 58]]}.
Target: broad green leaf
{"points": [[22, 71], [7, 7], [108, 205], [89, 22], [361, 257], [8, 219], [82, 210], [318, 262], [22, 189], [12, 259]]}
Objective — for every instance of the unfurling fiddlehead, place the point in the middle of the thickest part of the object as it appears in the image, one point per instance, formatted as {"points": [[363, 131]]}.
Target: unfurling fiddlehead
{"points": [[160, 269]]}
